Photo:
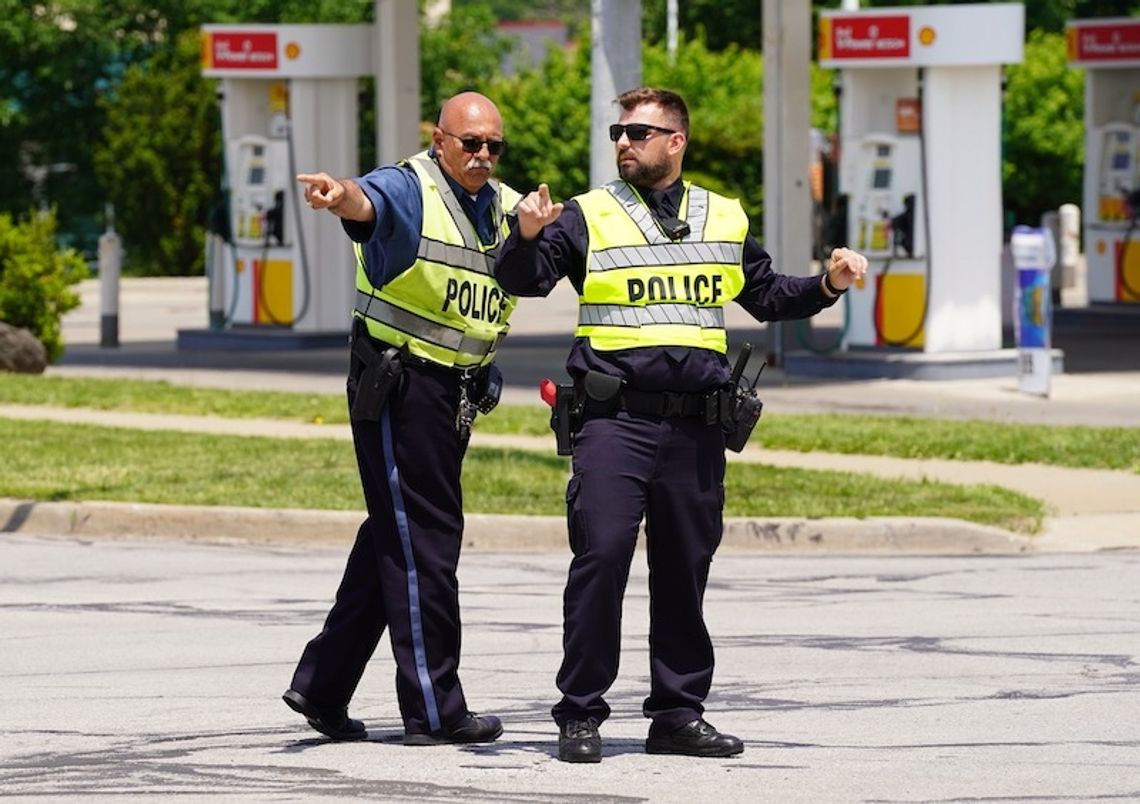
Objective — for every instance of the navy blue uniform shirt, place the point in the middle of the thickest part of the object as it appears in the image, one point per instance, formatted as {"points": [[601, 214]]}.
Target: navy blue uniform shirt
{"points": [[533, 268]]}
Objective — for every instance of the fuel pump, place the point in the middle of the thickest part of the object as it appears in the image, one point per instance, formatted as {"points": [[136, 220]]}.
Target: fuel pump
{"points": [[268, 249], [884, 182], [1109, 52], [278, 88], [1119, 187], [258, 195], [920, 167], [895, 192]]}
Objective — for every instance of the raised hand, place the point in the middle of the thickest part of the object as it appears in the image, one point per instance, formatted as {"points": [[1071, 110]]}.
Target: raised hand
{"points": [[535, 211], [846, 267]]}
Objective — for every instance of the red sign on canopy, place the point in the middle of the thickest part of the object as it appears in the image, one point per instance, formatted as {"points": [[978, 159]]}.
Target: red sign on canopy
{"points": [[870, 37], [243, 51], [1108, 42]]}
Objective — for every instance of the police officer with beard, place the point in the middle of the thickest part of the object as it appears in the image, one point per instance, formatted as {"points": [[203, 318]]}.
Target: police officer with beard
{"points": [[654, 259], [428, 318]]}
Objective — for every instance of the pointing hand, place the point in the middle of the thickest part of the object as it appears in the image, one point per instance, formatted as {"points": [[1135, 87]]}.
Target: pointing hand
{"points": [[535, 211], [321, 190]]}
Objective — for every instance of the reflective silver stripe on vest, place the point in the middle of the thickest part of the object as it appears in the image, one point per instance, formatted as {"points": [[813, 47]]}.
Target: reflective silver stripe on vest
{"points": [[462, 222], [617, 315], [697, 212], [667, 254], [411, 324], [480, 262]]}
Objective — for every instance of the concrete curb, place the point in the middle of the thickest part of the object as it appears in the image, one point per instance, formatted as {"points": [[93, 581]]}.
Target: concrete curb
{"points": [[298, 527]]}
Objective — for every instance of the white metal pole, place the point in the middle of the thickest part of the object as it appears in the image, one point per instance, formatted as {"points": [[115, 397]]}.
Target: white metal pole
{"points": [[787, 158], [397, 71], [671, 30], [615, 68], [110, 267]]}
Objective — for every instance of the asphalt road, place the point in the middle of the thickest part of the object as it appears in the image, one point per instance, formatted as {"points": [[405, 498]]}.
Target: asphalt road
{"points": [[145, 669]]}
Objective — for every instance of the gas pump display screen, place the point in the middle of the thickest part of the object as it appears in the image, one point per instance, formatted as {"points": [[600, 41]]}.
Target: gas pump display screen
{"points": [[1120, 161], [881, 178], [256, 175]]}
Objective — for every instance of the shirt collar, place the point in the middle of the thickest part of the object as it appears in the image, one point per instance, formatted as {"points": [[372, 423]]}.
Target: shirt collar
{"points": [[477, 208], [668, 200]]}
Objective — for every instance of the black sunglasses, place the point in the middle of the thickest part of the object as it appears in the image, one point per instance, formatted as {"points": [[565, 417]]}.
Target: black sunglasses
{"points": [[472, 145], [635, 131]]}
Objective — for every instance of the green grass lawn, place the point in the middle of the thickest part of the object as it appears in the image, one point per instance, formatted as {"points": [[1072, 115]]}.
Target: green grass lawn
{"points": [[1093, 447], [54, 461]]}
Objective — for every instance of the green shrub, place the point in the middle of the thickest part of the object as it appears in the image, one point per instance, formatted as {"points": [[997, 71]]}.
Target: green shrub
{"points": [[36, 278]]}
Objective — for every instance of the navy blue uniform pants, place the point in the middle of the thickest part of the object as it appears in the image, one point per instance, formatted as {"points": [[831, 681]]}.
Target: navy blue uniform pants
{"points": [[400, 573], [672, 472]]}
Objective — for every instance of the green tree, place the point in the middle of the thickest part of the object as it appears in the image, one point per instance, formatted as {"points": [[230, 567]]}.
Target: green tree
{"points": [[1043, 143], [546, 118], [159, 160], [59, 58], [724, 92], [36, 278], [462, 53]]}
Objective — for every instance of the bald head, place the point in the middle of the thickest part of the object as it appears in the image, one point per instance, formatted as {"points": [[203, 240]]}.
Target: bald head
{"points": [[466, 107], [468, 116]]}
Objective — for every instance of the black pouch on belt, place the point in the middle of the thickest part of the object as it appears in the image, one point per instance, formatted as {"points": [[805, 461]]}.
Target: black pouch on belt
{"points": [[381, 370], [603, 391]]}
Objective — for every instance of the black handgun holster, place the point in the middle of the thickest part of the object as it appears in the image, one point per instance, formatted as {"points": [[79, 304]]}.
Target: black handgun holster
{"points": [[377, 371]]}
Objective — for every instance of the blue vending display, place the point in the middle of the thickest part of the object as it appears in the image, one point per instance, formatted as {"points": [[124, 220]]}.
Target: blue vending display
{"points": [[1034, 253]]}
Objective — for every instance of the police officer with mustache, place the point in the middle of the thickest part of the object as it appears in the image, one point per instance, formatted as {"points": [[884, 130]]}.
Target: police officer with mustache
{"points": [[428, 317]]}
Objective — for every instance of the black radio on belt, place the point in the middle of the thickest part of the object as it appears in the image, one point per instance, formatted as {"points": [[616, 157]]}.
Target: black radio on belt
{"points": [[744, 405], [488, 387]]}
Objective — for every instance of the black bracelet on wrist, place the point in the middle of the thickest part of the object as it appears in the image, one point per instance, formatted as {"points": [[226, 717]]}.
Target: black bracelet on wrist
{"points": [[834, 291]]}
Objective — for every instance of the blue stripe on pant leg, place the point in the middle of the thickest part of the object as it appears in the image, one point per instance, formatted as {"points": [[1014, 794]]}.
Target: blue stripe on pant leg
{"points": [[410, 562]]}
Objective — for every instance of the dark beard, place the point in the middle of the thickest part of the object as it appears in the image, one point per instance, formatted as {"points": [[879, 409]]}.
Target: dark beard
{"points": [[642, 175]]}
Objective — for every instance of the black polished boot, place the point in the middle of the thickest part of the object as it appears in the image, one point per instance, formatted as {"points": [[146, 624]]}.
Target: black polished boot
{"points": [[331, 722], [696, 739], [579, 741], [471, 729]]}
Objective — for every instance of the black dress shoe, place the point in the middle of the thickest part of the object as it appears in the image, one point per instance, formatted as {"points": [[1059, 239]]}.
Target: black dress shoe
{"points": [[696, 739], [579, 741], [471, 729], [333, 723]]}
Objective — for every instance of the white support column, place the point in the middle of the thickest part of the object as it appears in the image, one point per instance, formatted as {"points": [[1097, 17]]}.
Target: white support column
{"points": [[961, 107], [323, 252], [397, 71], [615, 68], [787, 123]]}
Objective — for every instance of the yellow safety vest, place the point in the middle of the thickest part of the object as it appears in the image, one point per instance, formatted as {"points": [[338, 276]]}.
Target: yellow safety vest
{"points": [[643, 289], [447, 307]]}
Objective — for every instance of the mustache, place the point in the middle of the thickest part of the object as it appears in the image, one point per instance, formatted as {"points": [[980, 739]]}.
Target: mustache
{"points": [[475, 163]]}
